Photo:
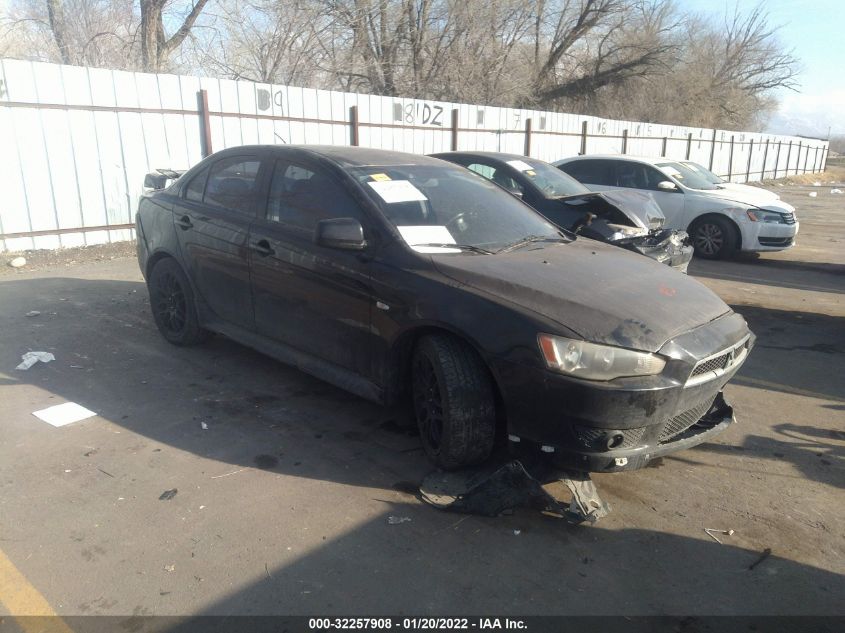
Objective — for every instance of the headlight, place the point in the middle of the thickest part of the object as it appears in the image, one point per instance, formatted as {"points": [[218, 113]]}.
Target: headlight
{"points": [[758, 215], [596, 362]]}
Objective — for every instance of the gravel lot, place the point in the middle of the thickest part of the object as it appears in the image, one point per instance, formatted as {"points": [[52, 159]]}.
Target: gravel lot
{"points": [[282, 503]]}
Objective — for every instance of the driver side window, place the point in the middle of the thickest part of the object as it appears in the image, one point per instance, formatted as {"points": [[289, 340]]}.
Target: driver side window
{"points": [[496, 175]]}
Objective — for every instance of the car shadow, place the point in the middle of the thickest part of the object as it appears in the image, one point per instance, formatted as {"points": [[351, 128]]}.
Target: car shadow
{"points": [[815, 276]]}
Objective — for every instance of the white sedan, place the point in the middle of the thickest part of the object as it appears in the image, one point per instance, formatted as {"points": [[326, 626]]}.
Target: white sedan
{"points": [[720, 221]]}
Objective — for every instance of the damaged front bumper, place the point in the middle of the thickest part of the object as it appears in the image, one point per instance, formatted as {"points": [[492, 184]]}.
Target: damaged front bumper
{"points": [[716, 420], [666, 246]]}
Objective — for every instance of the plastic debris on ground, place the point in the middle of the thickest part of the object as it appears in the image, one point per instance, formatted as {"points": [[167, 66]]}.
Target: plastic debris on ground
{"points": [[167, 495], [494, 490], [813, 194], [63, 414], [397, 520], [817, 184], [835, 191], [204, 426], [30, 358], [712, 532], [35, 313], [18, 262]]}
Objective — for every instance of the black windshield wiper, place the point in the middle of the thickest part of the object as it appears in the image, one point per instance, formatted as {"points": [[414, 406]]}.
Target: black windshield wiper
{"points": [[461, 247], [534, 238]]}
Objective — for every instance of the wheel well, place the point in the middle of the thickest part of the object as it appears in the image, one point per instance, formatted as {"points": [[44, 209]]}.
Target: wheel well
{"points": [[728, 219], [153, 260], [399, 371]]}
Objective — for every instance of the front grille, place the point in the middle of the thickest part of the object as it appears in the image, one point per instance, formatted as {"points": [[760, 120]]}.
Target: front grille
{"points": [[680, 423], [711, 365], [596, 439], [716, 365], [775, 241]]}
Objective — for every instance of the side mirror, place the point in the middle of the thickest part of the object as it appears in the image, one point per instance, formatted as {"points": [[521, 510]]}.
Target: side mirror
{"points": [[667, 185], [341, 233]]}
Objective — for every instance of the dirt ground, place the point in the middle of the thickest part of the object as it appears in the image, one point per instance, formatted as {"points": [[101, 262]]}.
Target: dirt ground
{"points": [[284, 486]]}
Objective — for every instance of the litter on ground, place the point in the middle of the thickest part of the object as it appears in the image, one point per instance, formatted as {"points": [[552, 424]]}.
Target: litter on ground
{"points": [[397, 520], [30, 358], [63, 414]]}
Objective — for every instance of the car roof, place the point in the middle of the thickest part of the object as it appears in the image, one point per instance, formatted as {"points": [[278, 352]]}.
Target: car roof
{"points": [[492, 155], [651, 160], [343, 155]]}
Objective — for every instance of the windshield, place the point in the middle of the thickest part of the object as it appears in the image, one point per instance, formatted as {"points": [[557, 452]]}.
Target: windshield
{"points": [[686, 176], [709, 175], [550, 180], [433, 206]]}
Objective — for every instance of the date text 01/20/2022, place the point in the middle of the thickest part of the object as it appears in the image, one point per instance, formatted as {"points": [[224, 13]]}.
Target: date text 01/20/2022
{"points": [[431, 623]]}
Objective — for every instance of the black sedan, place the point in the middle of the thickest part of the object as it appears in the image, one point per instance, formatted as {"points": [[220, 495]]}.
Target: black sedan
{"points": [[394, 275], [629, 219]]}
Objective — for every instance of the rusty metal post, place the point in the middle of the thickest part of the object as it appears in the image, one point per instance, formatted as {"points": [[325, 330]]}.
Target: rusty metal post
{"points": [[454, 129], [625, 141], [663, 148], [806, 158], [583, 138], [205, 123], [777, 160], [788, 156], [712, 151], [750, 155], [765, 159], [689, 145], [527, 148], [353, 126], [731, 160]]}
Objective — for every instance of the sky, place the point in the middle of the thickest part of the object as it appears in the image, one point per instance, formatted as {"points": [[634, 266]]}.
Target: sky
{"points": [[813, 29]]}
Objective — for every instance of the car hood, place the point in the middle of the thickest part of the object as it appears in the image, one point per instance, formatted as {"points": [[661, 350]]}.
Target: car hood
{"points": [[602, 293], [638, 206], [750, 198], [763, 194]]}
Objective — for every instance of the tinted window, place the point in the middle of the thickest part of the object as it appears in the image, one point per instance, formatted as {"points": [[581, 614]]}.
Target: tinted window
{"points": [[496, 175], [593, 172], [195, 188], [301, 197], [232, 183], [637, 175]]}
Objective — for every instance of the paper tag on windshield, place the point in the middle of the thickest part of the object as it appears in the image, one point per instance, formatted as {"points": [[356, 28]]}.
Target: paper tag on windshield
{"points": [[426, 235], [380, 177], [392, 191], [520, 165]]}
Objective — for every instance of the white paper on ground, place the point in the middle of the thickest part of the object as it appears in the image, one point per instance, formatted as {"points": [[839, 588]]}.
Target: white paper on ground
{"points": [[63, 414], [30, 358], [392, 191], [520, 165], [415, 235]]}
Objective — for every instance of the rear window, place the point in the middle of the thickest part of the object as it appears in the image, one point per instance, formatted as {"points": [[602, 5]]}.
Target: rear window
{"points": [[592, 172]]}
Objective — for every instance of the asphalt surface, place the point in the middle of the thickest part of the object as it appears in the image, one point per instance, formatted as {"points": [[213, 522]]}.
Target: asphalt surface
{"points": [[285, 485]]}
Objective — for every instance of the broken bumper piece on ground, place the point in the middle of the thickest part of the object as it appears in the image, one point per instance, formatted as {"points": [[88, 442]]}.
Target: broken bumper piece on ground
{"points": [[492, 490]]}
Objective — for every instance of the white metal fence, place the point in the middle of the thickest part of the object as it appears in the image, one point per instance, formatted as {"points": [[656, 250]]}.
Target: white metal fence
{"points": [[76, 142]]}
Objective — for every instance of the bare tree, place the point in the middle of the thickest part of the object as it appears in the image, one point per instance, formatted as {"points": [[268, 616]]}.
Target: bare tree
{"points": [[156, 46]]}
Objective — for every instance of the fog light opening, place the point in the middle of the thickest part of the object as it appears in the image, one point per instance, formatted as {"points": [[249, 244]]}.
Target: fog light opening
{"points": [[615, 441]]}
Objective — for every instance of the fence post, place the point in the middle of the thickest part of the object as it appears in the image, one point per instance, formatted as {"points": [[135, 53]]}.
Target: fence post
{"points": [[205, 123], [765, 158], [815, 158], [788, 156], [663, 148], [825, 152], [731, 160], [689, 145], [806, 158], [625, 141], [353, 126], [527, 148], [583, 138], [777, 161], [454, 129], [750, 154], [712, 150]]}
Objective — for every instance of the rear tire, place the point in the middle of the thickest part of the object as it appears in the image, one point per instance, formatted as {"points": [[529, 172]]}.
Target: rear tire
{"points": [[454, 402], [172, 304], [714, 238]]}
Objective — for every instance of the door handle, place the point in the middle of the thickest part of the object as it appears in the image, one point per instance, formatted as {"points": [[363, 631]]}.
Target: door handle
{"points": [[184, 222], [262, 247]]}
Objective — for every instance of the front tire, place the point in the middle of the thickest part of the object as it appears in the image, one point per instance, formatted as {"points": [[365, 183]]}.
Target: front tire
{"points": [[714, 238], [454, 402], [172, 304]]}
